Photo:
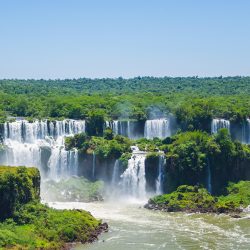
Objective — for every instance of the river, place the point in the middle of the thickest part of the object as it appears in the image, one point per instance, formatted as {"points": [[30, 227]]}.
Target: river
{"points": [[135, 228]]}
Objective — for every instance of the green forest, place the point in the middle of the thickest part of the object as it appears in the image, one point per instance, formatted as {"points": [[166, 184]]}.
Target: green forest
{"points": [[188, 98]]}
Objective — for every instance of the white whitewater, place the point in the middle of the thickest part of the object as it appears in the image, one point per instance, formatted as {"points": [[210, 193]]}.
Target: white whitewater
{"points": [[159, 181], [218, 124], [133, 181], [135, 228], [24, 142], [157, 128]]}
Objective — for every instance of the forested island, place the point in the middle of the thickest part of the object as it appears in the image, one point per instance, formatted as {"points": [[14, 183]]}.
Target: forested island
{"points": [[182, 144]]}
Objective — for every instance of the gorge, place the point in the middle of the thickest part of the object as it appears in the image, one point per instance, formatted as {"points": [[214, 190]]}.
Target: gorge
{"points": [[131, 162], [42, 144], [140, 169], [124, 125]]}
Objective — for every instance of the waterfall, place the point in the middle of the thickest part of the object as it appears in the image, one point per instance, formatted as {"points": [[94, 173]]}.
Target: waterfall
{"points": [[133, 129], [159, 181], [93, 165], [115, 175], [24, 142], [133, 179], [114, 125], [157, 128], [124, 128], [73, 161], [246, 132], [218, 124], [209, 184], [121, 128]]}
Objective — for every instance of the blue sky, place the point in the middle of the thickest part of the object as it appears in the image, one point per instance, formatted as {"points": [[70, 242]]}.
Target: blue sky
{"points": [[112, 38]]}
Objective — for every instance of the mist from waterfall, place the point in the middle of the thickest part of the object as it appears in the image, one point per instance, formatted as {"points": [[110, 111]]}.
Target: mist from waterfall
{"points": [[218, 124], [29, 143]]}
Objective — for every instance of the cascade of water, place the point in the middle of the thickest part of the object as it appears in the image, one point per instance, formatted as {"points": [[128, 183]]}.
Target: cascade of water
{"points": [[93, 165], [107, 124], [129, 132], [115, 175], [73, 156], [133, 180], [121, 128], [24, 140], [157, 128], [18, 154], [159, 181], [246, 132], [115, 127], [209, 184], [218, 124]]}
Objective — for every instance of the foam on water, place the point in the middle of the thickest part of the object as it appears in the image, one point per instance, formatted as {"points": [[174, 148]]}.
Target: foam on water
{"points": [[133, 227]]}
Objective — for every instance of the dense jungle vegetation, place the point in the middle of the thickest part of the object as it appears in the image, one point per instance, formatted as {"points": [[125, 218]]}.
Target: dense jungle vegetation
{"points": [[25, 223], [193, 100], [198, 199], [188, 156]]}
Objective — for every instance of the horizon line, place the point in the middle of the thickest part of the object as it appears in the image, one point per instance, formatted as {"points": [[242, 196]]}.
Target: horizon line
{"points": [[122, 77]]}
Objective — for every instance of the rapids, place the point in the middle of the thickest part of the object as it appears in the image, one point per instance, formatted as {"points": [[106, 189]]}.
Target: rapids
{"points": [[135, 228]]}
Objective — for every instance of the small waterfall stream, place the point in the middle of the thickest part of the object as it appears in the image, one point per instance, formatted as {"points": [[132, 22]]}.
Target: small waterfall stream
{"points": [[209, 183], [93, 165], [159, 181], [122, 128], [246, 132], [218, 124], [115, 174]]}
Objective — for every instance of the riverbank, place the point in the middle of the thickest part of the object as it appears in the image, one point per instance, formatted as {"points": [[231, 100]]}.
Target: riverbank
{"points": [[25, 223], [133, 227]]}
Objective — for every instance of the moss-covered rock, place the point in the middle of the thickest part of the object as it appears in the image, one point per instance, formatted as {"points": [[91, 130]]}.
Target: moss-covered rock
{"points": [[185, 198], [197, 199]]}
